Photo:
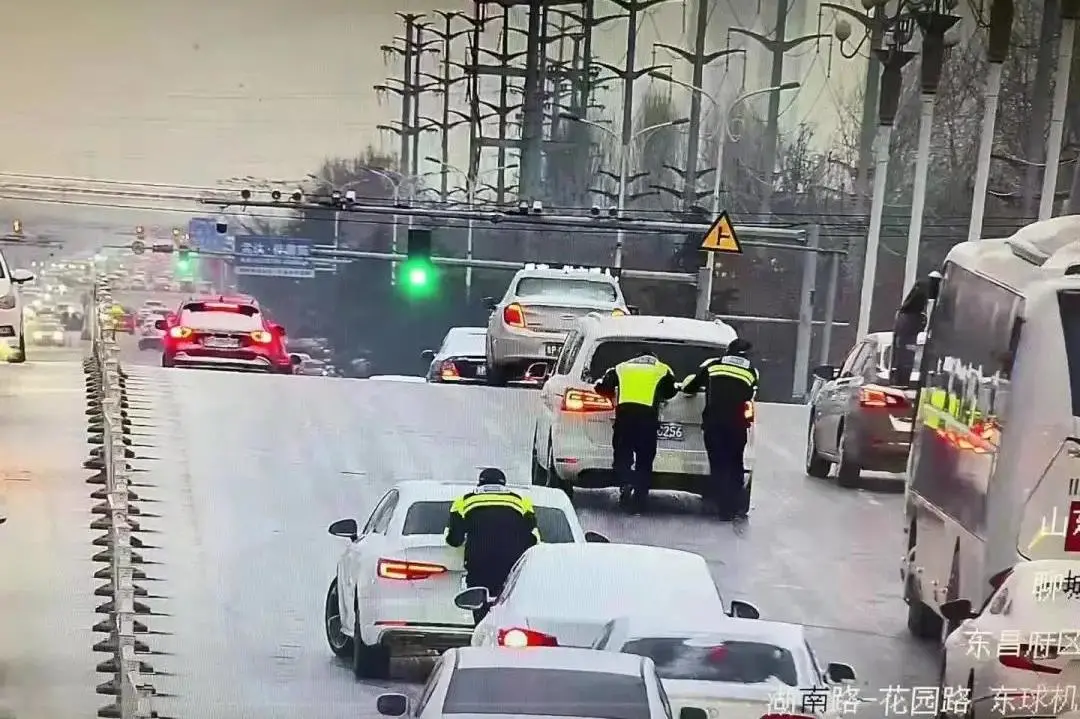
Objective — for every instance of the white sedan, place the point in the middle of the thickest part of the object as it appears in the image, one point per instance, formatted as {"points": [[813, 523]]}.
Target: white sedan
{"points": [[393, 594], [1019, 655], [736, 668], [565, 594], [567, 683]]}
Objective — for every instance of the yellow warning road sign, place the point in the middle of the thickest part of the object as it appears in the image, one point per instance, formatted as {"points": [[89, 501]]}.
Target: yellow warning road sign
{"points": [[721, 237]]}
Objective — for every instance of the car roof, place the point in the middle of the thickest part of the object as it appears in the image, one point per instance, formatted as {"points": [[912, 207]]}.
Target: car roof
{"points": [[466, 331], [639, 556], [641, 626], [570, 273], [230, 299], [431, 490], [549, 658], [660, 328]]}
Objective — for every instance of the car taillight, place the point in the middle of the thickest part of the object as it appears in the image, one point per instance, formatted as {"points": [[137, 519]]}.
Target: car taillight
{"points": [[262, 337], [1028, 658], [516, 637], [748, 412], [180, 333], [878, 397], [448, 370], [514, 316], [583, 400], [408, 571]]}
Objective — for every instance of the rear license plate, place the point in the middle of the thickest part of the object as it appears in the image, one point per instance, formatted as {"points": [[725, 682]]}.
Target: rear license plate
{"points": [[481, 370], [552, 349], [221, 342], [670, 431]]}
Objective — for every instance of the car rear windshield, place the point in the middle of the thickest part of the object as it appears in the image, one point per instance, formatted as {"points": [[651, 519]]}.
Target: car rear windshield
{"points": [[430, 518], [1069, 304], [465, 344], [228, 318], [700, 659], [547, 692], [540, 287], [684, 358]]}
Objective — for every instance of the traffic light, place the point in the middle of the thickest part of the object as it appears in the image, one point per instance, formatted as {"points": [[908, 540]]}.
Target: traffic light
{"points": [[418, 273], [140, 232]]}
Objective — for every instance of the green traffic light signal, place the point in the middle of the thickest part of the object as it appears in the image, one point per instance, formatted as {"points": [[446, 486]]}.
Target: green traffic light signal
{"points": [[419, 278]]}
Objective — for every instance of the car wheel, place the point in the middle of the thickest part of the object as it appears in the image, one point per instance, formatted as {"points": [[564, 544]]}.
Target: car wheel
{"points": [[340, 643], [368, 661], [848, 471], [496, 376], [20, 354], [922, 621], [816, 465], [539, 476], [553, 478], [167, 361]]}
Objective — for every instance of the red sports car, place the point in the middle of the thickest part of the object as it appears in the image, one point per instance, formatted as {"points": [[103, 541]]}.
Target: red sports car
{"points": [[223, 332]]}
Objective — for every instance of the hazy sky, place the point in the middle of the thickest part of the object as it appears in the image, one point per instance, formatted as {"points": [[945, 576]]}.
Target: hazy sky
{"points": [[196, 91]]}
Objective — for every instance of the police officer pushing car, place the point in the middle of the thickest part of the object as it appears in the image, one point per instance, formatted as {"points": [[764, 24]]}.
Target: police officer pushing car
{"points": [[496, 526], [729, 381], [639, 386]]}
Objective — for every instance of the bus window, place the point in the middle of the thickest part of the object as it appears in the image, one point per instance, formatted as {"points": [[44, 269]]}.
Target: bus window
{"points": [[1069, 305]]}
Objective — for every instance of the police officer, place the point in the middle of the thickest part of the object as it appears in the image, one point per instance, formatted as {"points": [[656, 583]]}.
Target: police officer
{"points": [[496, 526], [729, 382], [640, 385]]}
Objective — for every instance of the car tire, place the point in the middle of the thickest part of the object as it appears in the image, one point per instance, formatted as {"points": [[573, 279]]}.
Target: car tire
{"points": [[496, 376], [553, 479], [539, 475], [816, 465], [20, 355], [848, 471], [167, 361], [368, 661], [922, 621], [340, 643]]}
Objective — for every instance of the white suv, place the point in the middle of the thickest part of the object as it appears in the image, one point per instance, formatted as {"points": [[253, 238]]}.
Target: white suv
{"points": [[12, 340], [572, 439]]}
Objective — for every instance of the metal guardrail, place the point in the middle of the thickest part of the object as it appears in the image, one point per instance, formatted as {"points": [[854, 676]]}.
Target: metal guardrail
{"points": [[107, 425]]}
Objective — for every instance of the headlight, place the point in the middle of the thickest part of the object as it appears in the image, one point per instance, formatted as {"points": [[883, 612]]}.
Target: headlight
{"points": [[617, 313], [7, 302]]}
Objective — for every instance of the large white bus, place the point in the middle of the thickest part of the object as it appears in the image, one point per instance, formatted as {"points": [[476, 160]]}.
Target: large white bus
{"points": [[994, 470]]}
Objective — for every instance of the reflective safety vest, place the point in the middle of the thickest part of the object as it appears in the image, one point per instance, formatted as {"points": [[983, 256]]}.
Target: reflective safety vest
{"points": [[735, 368], [639, 378]]}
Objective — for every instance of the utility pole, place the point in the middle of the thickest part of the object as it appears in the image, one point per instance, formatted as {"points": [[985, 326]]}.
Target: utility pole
{"points": [[777, 46], [1070, 14], [1040, 105], [404, 90], [873, 22], [445, 83], [532, 129]]}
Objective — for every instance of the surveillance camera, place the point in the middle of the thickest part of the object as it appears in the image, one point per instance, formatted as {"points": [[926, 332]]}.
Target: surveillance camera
{"points": [[523, 208], [276, 195], [594, 210], [350, 196], [245, 194], [297, 196], [613, 211], [335, 197], [222, 227], [537, 207]]}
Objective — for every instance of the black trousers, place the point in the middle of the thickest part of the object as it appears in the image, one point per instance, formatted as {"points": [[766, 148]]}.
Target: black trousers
{"points": [[724, 444], [633, 445], [494, 585]]}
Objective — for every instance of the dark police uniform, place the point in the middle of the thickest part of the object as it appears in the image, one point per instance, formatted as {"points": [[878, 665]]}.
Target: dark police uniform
{"points": [[640, 385], [729, 383], [496, 526]]}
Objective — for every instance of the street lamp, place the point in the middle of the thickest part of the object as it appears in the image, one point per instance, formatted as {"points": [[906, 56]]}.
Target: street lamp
{"points": [[722, 134], [624, 164], [470, 200]]}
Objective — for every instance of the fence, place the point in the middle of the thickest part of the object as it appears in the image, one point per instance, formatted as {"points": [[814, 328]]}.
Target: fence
{"points": [[107, 425]]}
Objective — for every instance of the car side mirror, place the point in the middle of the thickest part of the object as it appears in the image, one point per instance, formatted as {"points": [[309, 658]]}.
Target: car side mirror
{"points": [[345, 528], [491, 303], [596, 538], [957, 610], [693, 713], [392, 705], [472, 599], [159, 325], [743, 610], [295, 359], [428, 355], [839, 673], [826, 372], [21, 276]]}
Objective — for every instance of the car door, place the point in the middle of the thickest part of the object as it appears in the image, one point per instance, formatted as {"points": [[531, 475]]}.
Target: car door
{"points": [[832, 400], [357, 567], [552, 393]]}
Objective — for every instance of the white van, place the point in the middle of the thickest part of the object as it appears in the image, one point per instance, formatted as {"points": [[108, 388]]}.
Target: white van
{"points": [[994, 471], [572, 438], [12, 341]]}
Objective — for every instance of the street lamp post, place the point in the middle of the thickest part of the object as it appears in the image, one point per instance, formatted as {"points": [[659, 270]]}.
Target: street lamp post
{"points": [[625, 149], [723, 132], [470, 200]]}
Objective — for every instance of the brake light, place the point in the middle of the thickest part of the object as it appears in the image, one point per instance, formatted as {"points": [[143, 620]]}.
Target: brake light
{"points": [[878, 397], [1027, 659], [180, 333], [408, 571], [262, 337], [514, 315], [583, 400], [448, 371], [515, 637]]}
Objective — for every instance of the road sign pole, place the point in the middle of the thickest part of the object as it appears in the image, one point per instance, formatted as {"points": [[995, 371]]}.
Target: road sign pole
{"points": [[720, 237]]}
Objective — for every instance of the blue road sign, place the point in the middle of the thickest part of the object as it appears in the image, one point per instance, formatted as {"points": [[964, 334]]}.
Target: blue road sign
{"points": [[203, 235], [263, 256]]}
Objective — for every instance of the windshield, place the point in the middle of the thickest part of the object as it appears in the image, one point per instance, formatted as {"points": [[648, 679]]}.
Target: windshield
{"points": [[684, 358], [717, 660], [1069, 305], [430, 518], [540, 287], [469, 343], [224, 320], [49, 327], [547, 692]]}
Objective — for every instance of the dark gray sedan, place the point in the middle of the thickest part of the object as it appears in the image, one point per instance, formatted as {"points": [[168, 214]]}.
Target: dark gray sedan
{"points": [[460, 359]]}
